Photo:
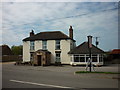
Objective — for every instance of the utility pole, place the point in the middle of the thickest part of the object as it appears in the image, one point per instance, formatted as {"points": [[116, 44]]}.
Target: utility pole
{"points": [[90, 47]]}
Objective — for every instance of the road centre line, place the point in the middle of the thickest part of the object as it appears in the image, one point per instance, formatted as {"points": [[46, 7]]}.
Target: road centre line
{"points": [[39, 84]]}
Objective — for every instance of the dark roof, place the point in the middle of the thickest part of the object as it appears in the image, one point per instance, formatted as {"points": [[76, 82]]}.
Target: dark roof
{"points": [[115, 51], [53, 35], [83, 49], [5, 50]]}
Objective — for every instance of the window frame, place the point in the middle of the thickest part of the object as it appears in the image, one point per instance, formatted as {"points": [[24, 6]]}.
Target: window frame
{"points": [[31, 56], [32, 45], [79, 58], [58, 57], [44, 44], [100, 58], [57, 44], [94, 58]]}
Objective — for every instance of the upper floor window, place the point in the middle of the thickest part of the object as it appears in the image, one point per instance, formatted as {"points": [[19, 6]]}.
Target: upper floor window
{"points": [[44, 44], [32, 45], [57, 44]]}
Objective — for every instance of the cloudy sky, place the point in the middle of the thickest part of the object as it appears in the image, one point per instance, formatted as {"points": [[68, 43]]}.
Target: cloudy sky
{"points": [[99, 19]]}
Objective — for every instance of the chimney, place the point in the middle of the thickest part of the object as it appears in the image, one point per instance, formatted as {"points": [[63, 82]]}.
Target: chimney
{"points": [[71, 32], [32, 33]]}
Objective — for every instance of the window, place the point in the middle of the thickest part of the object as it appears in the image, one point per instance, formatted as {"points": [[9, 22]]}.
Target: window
{"points": [[79, 58], [32, 45], [82, 59], [44, 45], [94, 59], [57, 44], [57, 57], [76, 58], [87, 58], [31, 56]]}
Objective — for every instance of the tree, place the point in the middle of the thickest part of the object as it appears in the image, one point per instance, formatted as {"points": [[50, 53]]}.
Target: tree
{"points": [[17, 50]]}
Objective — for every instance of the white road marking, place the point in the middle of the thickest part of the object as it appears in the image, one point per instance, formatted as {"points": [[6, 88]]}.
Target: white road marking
{"points": [[39, 84]]}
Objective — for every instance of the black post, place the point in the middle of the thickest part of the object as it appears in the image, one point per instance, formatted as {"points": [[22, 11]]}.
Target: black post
{"points": [[90, 46], [90, 57]]}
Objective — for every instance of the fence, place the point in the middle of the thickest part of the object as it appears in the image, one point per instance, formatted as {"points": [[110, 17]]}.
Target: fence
{"points": [[6, 58]]}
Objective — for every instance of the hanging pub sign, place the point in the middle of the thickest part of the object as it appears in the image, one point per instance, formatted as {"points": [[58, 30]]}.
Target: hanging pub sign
{"points": [[89, 41]]}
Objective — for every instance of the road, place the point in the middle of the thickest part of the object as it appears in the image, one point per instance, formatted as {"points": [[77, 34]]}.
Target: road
{"points": [[54, 77]]}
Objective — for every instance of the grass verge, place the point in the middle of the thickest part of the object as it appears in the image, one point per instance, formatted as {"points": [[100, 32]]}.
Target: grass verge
{"points": [[80, 72]]}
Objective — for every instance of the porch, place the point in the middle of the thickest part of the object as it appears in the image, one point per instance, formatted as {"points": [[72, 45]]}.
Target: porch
{"points": [[42, 58]]}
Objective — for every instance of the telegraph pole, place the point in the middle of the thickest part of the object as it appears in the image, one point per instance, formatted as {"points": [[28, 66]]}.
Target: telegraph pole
{"points": [[90, 47]]}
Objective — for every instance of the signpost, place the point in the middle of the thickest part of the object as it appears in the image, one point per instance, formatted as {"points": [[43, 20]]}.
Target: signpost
{"points": [[90, 46]]}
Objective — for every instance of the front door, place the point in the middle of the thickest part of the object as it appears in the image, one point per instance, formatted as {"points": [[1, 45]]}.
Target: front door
{"points": [[39, 60]]}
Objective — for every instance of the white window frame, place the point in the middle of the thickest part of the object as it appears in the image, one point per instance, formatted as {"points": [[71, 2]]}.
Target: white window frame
{"points": [[32, 45], [86, 56], [58, 58], [44, 44], [57, 44], [94, 56], [31, 56]]}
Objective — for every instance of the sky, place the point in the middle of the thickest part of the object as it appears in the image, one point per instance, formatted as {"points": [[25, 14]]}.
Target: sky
{"points": [[99, 19]]}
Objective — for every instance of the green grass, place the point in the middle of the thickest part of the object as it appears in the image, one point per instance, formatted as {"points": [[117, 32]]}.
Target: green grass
{"points": [[79, 72]]}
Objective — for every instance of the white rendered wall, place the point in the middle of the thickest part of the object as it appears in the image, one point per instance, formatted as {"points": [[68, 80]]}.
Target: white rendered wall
{"points": [[26, 51], [65, 48], [51, 48], [38, 45]]}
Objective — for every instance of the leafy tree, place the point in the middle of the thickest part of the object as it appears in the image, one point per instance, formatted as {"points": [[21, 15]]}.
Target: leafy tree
{"points": [[17, 50]]}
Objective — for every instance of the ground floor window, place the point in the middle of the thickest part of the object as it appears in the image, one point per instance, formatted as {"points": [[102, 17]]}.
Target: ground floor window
{"points": [[85, 57], [94, 59], [79, 58], [82, 59], [58, 57], [76, 58], [31, 56]]}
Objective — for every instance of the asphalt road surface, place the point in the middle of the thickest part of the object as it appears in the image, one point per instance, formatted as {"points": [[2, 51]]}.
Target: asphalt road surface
{"points": [[56, 77]]}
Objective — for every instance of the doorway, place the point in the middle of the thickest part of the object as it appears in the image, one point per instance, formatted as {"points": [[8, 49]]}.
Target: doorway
{"points": [[39, 60]]}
